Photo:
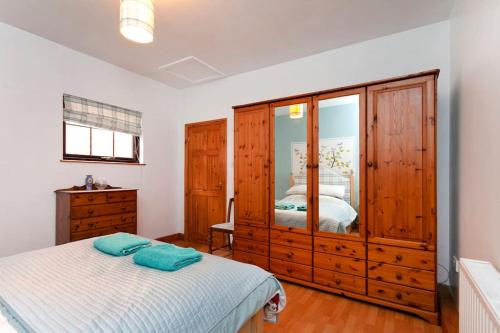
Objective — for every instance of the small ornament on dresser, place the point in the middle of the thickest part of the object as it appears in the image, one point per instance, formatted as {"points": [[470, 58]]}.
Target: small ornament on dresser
{"points": [[89, 181], [101, 183]]}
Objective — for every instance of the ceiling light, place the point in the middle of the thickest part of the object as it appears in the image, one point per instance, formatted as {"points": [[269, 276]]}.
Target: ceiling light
{"points": [[137, 20], [296, 111]]}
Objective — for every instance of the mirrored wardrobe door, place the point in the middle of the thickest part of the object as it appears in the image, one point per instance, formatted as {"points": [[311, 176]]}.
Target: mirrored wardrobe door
{"points": [[291, 151], [338, 161]]}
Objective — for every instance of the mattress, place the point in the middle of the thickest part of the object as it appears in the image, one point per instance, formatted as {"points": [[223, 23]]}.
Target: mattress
{"points": [[75, 288]]}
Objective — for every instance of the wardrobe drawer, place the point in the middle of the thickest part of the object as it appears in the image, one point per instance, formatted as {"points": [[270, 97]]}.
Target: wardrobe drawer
{"points": [[254, 233], [291, 239], [246, 245], [297, 271], [412, 277], [251, 258], [80, 199], [298, 256], [402, 256], [340, 247], [338, 280], [102, 222], [341, 264], [99, 210], [416, 298], [120, 196], [129, 228]]}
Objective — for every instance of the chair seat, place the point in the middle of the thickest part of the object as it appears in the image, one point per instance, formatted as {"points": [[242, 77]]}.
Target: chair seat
{"points": [[223, 226]]}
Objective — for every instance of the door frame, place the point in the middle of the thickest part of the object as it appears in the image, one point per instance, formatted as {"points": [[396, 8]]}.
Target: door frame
{"points": [[223, 122]]}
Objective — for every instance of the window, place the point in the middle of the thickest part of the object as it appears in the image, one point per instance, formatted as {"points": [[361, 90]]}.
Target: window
{"points": [[96, 131], [96, 144]]}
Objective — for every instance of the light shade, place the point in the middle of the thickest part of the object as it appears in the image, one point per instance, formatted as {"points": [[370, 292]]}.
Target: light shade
{"points": [[137, 20], [296, 111]]}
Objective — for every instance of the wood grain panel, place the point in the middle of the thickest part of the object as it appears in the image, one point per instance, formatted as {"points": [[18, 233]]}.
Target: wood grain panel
{"points": [[338, 280], [251, 258], [412, 277], [340, 264], [251, 147], [79, 212], [416, 298], [401, 162], [246, 245], [297, 271], [291, 239], [340, 247], [402, 256], [292, 254]]}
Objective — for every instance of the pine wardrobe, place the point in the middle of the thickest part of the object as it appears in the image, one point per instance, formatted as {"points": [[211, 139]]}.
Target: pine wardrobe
{"points": [[336, 190]]}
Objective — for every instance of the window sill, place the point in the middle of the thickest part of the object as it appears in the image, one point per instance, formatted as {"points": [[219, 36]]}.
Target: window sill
{"points": [[102, 162]]}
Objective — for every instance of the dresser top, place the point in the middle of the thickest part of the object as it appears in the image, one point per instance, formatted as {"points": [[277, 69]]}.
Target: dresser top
{"points": [[69, 191]]}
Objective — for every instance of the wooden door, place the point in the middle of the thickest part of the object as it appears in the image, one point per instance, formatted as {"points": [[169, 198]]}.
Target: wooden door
{"points": [[401, 163], [205, 178], [251, 174]]}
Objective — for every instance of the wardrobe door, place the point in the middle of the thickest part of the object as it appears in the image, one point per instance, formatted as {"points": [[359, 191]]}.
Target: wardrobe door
{"points": [[251, 163], [401, 163], [251, 185], [291, 189]]}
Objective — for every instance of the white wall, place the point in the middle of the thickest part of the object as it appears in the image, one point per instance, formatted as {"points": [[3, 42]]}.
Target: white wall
{"points": [[400, 54], [34, 74], [475, 49]]}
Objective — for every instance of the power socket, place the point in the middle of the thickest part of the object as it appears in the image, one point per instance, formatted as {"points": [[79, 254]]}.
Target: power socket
{"points": [[456, 262]]}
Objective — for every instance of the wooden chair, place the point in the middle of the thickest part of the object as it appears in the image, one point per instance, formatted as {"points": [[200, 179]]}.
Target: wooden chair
{"points": [[226, 228]]}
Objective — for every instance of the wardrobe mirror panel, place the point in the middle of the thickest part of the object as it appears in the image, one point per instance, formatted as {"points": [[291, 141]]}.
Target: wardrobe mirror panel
{"points": [[338, 167], [290, 161]]}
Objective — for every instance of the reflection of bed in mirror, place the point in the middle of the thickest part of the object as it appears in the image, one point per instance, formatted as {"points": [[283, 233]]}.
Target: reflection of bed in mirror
{"points": [[336, 202]]}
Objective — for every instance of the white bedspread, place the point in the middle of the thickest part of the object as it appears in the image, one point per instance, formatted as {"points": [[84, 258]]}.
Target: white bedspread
{"points": [[75, 288]]}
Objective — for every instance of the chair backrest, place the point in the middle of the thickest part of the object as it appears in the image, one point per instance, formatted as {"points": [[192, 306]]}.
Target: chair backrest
{"points": [[228, 218]]}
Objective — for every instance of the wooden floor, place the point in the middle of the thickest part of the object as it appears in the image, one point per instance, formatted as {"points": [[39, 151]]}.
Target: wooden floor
{"points": [[313, 311]]}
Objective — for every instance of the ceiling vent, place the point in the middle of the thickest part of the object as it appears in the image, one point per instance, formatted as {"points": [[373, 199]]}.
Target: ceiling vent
{"points": [[192, 70]]}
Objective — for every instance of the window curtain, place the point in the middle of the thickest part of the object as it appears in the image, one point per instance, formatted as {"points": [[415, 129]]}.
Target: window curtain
{"points": [[95, 114]]}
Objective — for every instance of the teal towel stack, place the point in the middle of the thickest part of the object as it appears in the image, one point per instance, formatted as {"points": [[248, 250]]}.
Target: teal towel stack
{"points": [[302, 208], [284, 205], [120, 244], [167, 257]]}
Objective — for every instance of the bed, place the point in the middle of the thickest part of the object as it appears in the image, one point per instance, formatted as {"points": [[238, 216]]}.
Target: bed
{"points": [[336, 201], [75, 288]]}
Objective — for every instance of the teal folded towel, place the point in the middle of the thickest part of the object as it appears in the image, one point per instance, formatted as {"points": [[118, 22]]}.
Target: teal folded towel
{"points": [[284, 205], [167, 257], [302, 208], [120, 244]]}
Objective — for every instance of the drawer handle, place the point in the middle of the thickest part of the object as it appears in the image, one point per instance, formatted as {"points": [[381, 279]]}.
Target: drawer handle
{"points": [[123, 218], [399, 276], [338, 265], [399, 257], [289, 255], [124, 209], [289, 270], [90, 211], [90, 199], [124, 197], [337, 282], [399, 296], [338, 248], [250, 233], [289, 240]]}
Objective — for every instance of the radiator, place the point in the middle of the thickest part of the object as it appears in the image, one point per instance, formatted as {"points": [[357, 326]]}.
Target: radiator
{"points": [[479, 297]]}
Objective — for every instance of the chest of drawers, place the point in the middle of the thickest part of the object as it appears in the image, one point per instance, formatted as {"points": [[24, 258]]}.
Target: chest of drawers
{"points": [[86, 214]]}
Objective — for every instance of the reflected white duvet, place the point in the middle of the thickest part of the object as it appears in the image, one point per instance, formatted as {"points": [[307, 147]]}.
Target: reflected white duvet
{"points": [[335, 215]]}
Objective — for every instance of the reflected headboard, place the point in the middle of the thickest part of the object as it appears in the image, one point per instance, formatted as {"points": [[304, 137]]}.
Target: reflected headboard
{"points": [[331, 178]]}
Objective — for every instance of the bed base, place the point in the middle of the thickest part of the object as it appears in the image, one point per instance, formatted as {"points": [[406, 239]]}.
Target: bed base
{"points": [[254, 324]]}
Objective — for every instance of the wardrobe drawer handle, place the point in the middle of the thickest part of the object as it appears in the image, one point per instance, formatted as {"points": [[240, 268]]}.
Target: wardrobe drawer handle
{"points": [[399, 276], [399, 257], [289, 270], [289, 254], [337, 282], [399, 296], [338, 248], [370, 164], [90, 211], [337, 265]]}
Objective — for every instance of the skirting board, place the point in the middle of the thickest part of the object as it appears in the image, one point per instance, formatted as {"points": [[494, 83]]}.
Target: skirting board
{"points": [[171, 238]]}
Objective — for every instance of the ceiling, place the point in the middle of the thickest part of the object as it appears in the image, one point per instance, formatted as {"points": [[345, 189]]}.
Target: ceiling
{"points": [[231, 36]]}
